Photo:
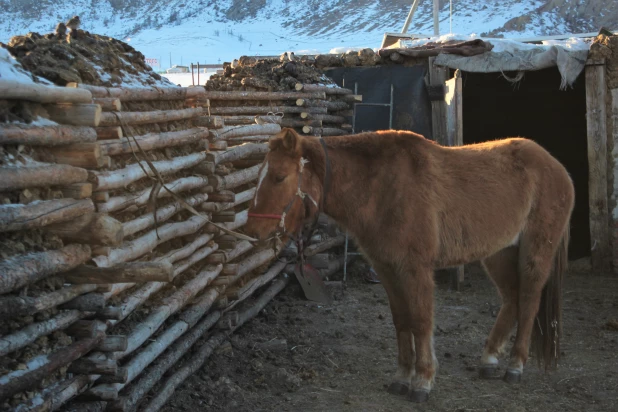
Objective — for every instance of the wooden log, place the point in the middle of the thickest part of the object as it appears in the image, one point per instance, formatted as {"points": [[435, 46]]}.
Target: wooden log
{"points": [[264, 110], [126, 94], [12, 306], [46, 135], [350, 98], [75, 114], [319, 261], [240, 198], [153, 141], [146, 243], [41, 175], [328, 131], [187, 250], [222, 196], [250, 119], [247, 290], [91, 367], [218, 145], [135, 272], [207, 168], [235, 179], [34, 92], [43, 213], [196, 257], [44, 366], [163, 213], [213, 122], [94, 228], [325, 118], [238, 152], [110, 312], [21, 270], [227, 256], [157, 116], [120, 178], [57, 394], [109, 133], [300, 123], [249, 130], [76, 190], [86, 329], [249, 95], [205, 350], [112, 343], [223, 216], [108, 104], [170, 358], [325, 245], [330, 106], [142, 197], [328, 89], [250, 263], [101, 250]]}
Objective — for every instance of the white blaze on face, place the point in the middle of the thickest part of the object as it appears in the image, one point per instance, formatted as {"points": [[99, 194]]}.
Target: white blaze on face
{"points": [[263, 173]]}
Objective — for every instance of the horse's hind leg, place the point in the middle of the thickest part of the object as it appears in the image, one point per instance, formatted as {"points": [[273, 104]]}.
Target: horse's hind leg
{"points": [[502, 269], [405, 341]]}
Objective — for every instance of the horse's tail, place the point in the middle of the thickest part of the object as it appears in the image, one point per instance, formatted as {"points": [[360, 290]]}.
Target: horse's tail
{"points": [[548, 328]]}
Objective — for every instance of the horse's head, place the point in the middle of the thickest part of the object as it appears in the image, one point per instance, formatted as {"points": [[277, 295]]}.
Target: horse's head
{"points": [[289, 187]]}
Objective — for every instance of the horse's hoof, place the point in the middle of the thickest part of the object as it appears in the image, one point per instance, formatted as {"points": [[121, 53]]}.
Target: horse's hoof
{"points": [[512, 376], [398, 388], [418, 395], [488, 372]]}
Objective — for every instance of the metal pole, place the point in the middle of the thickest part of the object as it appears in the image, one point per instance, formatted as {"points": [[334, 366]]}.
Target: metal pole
{"points": [[451, 17], [410, 15], [436, 15]]}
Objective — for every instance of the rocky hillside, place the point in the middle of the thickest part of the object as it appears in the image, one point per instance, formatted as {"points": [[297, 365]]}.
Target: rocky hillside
{"points": [[179, 31]]}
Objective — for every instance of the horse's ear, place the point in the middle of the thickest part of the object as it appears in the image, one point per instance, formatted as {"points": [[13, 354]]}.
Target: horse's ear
{"points": [[288, 140]]}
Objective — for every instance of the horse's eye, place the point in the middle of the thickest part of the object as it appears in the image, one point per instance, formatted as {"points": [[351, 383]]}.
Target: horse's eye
{"points": [[279, 179]]}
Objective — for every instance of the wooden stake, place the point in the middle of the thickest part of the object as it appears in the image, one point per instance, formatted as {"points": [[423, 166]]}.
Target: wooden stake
{"points": [[46, 135]]}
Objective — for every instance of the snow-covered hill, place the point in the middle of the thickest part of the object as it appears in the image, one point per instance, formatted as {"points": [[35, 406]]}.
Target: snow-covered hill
{"points": [[212, 31]]}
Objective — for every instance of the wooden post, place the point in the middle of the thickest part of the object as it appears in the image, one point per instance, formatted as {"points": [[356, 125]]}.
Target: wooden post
{"points": [[436, 17], [406, 24], [437, 78], [596, 91]]}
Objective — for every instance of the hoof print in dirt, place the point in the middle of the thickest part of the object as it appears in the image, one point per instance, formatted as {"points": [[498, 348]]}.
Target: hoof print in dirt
{"points": [[418, 396]]}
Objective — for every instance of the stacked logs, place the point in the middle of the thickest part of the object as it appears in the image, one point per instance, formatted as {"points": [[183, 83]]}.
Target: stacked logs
{"points": [[137, 190]]}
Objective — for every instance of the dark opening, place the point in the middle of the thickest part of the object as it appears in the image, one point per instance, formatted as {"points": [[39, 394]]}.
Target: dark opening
{"points": [[536, 109]]}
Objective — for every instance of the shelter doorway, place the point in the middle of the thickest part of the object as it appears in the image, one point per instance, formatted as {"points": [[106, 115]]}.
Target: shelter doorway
{"points": [[535, 108]]}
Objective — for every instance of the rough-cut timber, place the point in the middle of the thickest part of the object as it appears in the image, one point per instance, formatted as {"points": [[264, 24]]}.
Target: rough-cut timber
{"points": [[152, 141], [142, 93], [43, 213], [41, 175], [249, 130], [249, 95], [46, 135], [264, 110], [21, 270], [158, 116], [11, 89], [97, 229], [122, 177], [141, 198], [122, 273], [75, 114]]}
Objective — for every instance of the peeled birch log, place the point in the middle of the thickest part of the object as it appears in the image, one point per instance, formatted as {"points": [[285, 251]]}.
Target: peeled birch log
{"points": [[247, 290], [264, 110], [29, 334], [153, 141], [12, 306], [43, 366], [235, 179], [328, 89], [248, 95], [196, 257], [141, 93], [41, 175], [158, 116], [11, 89], [249, 130], [204, 351], [46, 135], [187, 250], [75, 114], [223, 257], [252, 262], [108, 104], [331, 106], [93, 228], [300, 123], [108, 133], [141, 198], [122, 177], [163, 213], [135, 272], [21, 270], [238, 152], [38, 214], [146, 243]]}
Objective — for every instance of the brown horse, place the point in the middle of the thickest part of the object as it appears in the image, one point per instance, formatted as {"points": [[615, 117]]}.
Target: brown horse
{"points": [[414, 206]]}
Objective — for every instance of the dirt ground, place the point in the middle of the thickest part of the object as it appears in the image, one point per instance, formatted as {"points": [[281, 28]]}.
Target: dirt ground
{"points": [[301, 356]]}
